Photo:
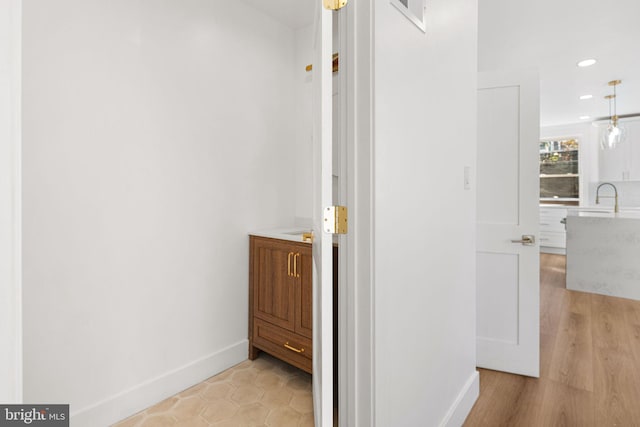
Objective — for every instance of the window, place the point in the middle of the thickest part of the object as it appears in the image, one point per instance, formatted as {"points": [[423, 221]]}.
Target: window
{"points": [[559, 171]]}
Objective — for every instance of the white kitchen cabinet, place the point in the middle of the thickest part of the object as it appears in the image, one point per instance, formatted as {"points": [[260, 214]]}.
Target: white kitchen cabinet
{"points": [[553, 236], [622, 163], [553, 239]]}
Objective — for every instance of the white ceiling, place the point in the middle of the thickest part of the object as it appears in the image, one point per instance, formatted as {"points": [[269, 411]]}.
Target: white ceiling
{"points": [[554, 35], [551, 35], [293, 13]]}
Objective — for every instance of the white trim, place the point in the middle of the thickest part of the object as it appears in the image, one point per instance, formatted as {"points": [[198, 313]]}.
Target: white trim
{"points": [[10, 202], [359, 377], [464, 402], [128, 402], [322, 383], [344, 296], [418, 21]]}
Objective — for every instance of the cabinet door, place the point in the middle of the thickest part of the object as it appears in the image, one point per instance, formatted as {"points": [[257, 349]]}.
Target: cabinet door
{"points": [[273, 283], [304, 293], [553, 239], [613, 164], [622, 163], [633, 141], [551, 219]]}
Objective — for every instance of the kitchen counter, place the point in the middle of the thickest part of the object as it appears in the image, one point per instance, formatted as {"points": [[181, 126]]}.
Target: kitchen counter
{"points": [[604, 214], [291, 234], [603, 249]]}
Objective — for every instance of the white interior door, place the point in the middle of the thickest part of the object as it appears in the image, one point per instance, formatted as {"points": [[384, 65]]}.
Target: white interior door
{"points": [[508, 284], [322, 198]]}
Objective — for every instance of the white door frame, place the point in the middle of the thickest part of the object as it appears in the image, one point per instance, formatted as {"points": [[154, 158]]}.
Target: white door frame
{"points": [[322, 87], [356, 328], [10, 202]]}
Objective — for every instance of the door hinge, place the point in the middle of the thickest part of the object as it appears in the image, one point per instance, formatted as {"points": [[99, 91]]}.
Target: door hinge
{"points": [[335, 220], [334, 4]]}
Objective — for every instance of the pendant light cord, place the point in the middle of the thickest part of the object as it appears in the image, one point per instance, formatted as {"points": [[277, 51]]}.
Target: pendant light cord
{"points": [[615, 107]]}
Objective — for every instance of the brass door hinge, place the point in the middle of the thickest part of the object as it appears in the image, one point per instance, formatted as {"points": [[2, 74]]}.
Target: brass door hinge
{"points": [[334, 4], [335, 220], [335, 66]]}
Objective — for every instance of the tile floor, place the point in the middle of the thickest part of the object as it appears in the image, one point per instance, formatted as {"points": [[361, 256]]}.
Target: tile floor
{"points": [[263, 392]]}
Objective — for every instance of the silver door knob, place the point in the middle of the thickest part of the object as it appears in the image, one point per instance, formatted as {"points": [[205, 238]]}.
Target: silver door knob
{"points": [[527, 240]]}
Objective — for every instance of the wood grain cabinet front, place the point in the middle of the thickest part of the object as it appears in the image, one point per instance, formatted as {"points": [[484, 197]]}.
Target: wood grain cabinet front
{"points": [[280, 300]]}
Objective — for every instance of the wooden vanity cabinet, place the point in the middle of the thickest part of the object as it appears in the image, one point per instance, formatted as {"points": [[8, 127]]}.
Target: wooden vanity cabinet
{"points": [[280, 300]]}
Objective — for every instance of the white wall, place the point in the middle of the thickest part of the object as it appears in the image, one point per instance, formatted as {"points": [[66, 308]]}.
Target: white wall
{"points": [[10, 281], [156, 135], [424, 263], [628, 194], [303, 125]]}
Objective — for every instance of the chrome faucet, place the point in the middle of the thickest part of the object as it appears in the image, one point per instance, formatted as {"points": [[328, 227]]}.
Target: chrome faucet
{"points": [[615, 209]]}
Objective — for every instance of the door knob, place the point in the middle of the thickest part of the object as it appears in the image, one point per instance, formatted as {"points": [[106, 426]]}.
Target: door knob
{"points": [[527, 240]]}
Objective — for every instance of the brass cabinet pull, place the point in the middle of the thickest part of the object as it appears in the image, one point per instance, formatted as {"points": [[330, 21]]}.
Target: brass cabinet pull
{"points": [[296, 257], [295, 272], [295, 262], [287, 346]]}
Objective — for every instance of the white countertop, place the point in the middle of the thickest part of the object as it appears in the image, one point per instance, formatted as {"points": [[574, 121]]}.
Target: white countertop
{"points": [[586, 213], [598, 208], [293, 234], [602, 252]]}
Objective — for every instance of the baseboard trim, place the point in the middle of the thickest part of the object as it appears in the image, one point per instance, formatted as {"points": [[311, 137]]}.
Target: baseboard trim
{"points": [[154, 390], [464, 402]]}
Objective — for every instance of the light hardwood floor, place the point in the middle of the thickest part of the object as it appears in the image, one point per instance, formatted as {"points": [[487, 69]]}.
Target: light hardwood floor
{"points": [[589, 363]]}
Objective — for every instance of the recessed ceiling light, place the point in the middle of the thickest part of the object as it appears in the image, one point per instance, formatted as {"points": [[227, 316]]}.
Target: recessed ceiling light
{"points": [[585, 117], [586, 97], [586, 62]]}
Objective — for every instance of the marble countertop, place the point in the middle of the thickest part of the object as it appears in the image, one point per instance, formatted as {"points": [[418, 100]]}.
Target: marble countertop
{"points": [[597, 208], [586, 213], [293, 234], [602, 252]]}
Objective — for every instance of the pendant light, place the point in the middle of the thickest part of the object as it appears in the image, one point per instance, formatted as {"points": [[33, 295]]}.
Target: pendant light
{"points": [[614, 133]]}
